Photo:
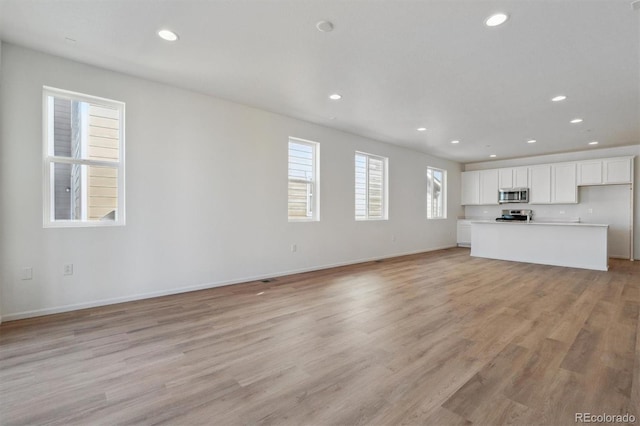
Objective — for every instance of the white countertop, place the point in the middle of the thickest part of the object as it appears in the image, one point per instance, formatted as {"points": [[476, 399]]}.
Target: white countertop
{"points": [[484, 222]]}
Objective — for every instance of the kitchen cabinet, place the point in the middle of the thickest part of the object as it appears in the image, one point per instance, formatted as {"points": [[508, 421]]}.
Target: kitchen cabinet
{"points": [[505, 178], [553, 184], [564, 187], [548, 183], [576, 245], [608, 171], [488, 187], [540, 184], [513, 177], [521, 177], [480, 187], [590, 172], [470, 191], [464, 233], [617, 170]]}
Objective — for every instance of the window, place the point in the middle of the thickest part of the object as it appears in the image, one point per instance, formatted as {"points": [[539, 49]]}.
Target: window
{"points": [[436, 193], [303, 201], [371, 187], [83, 160]]}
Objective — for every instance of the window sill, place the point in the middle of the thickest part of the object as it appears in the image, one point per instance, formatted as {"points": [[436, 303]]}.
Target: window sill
{"points": [[81, 224]]}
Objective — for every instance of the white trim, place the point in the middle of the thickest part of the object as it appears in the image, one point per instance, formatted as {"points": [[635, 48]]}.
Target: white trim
{"points": [[179, 290], [83, 161], [632, 211], [47, 182], [76, 96], [84, 149], [82, 224]]}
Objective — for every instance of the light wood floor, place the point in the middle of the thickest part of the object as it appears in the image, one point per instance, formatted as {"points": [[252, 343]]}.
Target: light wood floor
{"points": [[432, 339]]}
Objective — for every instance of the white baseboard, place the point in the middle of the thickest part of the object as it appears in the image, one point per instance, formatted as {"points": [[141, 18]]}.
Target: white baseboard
{"points": [[178, 290]]}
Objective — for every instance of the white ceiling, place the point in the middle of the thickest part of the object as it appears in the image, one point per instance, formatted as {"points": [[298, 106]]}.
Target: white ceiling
{"points": [[399, 65]]}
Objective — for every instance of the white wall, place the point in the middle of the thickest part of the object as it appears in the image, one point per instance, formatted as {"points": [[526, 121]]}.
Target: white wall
{"points": [[607, 204], [188, 156], [1, 156]]}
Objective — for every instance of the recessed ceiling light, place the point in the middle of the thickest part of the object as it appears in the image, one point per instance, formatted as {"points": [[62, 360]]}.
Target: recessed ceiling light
{"points": [[168, 35], [531, 141], [576, 120], [495, 20], [559, 98], [492, 156], [335, 96], [454, 142], [324, 26], [593, 143], [421, 129]]}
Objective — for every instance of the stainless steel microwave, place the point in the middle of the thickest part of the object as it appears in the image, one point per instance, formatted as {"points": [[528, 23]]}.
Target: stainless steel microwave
{"points": [[513, 195]]}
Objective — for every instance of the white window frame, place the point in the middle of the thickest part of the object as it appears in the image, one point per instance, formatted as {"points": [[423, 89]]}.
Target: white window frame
{"points": [[49, 159], [313, 205], [385, 187], [430, 193]]}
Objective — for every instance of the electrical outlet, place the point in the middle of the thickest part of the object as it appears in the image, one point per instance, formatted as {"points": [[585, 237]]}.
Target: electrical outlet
{"points": [[590, 211], [68, 269], [393, 238], [294, 248], [27, 273]]}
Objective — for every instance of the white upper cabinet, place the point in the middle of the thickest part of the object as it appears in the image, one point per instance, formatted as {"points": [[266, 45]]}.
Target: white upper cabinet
{"points": [[505, 178], [470, 191], [540, 184], [553, 184], [480, 187], [521, 177], [590, 172], [513, 177], [548, 183], [489, 187], [607, 171], [617, 170], [564, 188]]}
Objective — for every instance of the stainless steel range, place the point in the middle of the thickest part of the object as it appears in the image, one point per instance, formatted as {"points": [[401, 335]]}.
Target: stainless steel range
{"points": [[524, 215]]}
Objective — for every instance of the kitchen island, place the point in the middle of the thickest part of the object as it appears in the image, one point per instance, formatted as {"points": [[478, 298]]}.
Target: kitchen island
{"points": [[576, 245]]}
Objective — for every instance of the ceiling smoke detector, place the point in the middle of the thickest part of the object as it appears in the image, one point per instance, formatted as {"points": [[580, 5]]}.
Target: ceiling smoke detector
{"points": [[324, 26], [635, 5]]}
